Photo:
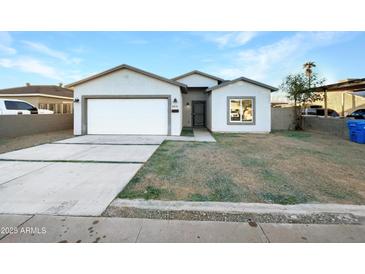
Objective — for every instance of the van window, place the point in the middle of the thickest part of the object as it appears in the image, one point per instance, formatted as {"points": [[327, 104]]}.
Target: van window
{"points": [[15, 105]]}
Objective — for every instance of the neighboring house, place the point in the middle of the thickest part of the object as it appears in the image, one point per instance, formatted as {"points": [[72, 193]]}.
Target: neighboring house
{"points": [[344, 97], [51, 97], [279, 104], [127, 100]]}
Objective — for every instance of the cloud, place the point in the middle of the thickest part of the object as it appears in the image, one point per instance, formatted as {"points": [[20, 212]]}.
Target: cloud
{"points": [[42, 48], [279, 56], [7, 50], [230, 39], [5, 43], [27, 64]]}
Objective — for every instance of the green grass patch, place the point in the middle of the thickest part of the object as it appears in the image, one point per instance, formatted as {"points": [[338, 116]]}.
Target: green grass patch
{"points": [[222, 188], [150, 192], [197, 197], [249, 161], [165, 162], [282, 199], [187, 131], [3, 141], [278, 190], [301, 135]]}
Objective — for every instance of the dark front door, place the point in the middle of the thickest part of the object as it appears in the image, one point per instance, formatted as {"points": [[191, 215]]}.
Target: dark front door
{"points": [[198, 113]]}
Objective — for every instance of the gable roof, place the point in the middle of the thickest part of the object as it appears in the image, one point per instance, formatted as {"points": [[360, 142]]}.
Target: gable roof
{"points": [[200, 73], [244, 79], [125, 66], [51, 90]]}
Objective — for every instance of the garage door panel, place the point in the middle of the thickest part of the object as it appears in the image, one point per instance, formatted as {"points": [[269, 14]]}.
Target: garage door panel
{"points": [[127, 116]]}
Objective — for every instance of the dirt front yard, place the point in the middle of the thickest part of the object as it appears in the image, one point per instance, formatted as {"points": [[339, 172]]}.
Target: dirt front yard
{"points": [[281, 167], [10, 144]]}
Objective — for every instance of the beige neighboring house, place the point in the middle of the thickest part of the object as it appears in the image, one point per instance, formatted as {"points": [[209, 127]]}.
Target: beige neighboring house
{"points": [[51, 97], [344, 97]]}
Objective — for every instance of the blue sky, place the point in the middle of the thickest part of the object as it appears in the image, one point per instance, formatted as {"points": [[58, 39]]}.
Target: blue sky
{"points": [[53, 57]]}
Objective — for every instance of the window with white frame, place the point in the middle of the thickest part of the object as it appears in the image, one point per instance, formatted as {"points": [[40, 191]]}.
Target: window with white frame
{"points": [[241, 110]]}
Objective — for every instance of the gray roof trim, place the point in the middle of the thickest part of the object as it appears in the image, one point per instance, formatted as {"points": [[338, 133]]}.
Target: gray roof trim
{"points": [[244, 79], [125, 66], [197, 72]]}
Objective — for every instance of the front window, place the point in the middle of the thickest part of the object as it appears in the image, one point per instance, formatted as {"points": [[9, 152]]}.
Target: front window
{"points": [[241, 110]]}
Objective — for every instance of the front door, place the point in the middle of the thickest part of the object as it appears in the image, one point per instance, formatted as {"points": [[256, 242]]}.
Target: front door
{"points": [[198, 113]]}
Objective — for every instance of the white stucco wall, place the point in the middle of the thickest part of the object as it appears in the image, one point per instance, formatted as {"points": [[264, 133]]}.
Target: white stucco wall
{"points": [[193, 95], [197, 80], [219, 108], [127, 82]]}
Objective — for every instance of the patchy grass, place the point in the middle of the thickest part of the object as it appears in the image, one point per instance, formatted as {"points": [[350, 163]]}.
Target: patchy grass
{"points": [[283, 167], [150, 192], [296, 134], [10, 144], [187, 131]]}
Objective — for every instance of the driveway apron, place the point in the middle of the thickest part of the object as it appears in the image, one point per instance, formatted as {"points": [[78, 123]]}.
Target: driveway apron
{"points": [[79, 176]]}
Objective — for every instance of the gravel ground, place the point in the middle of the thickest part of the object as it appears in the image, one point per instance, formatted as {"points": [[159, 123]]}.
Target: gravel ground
{"points": [[10, 144], [323, 218]]}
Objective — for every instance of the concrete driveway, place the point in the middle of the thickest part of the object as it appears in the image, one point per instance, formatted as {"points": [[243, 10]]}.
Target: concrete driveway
{"points": [[76, 176]]}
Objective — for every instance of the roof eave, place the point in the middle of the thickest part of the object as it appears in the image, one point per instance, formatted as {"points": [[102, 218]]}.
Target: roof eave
{"points": [[198, 72], [244, 79]]}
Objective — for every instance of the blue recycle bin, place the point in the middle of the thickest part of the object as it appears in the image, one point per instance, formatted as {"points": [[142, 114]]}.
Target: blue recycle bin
{"points": [[356, 131]]}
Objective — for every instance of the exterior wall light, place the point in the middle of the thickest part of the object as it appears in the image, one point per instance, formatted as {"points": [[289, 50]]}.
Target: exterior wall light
{"points": [[76, 100], [175, 101], [187, 104]]}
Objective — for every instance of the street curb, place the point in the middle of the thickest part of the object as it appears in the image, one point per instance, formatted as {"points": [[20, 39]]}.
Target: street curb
{"points": [[238, 212]]}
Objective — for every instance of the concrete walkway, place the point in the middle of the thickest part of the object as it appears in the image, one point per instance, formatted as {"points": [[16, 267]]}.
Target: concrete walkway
{"points": [[200, 135], [51, 229]]}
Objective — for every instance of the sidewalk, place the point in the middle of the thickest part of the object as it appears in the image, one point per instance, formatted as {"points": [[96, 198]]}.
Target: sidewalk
{"points": [[53, 229], [200, 135]]}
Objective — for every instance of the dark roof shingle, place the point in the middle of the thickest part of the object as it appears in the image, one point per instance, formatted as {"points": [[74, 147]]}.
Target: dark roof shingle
{"points": [[39, 89]]}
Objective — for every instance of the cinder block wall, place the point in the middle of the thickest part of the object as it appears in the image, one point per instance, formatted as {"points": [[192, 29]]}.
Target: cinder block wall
{"points": [[332, 126], [282, 118], [20, 125]]}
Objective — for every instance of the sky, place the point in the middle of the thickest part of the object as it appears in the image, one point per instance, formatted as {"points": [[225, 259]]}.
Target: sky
{"points": [[64, 57]]}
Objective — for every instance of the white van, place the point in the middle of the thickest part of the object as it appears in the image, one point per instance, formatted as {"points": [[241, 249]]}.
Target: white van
{"points": [[15, 107]]}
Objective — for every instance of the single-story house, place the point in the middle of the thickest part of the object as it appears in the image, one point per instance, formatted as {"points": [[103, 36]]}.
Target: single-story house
{"points": [[344, 97], [128, 100], [51, 97]]}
